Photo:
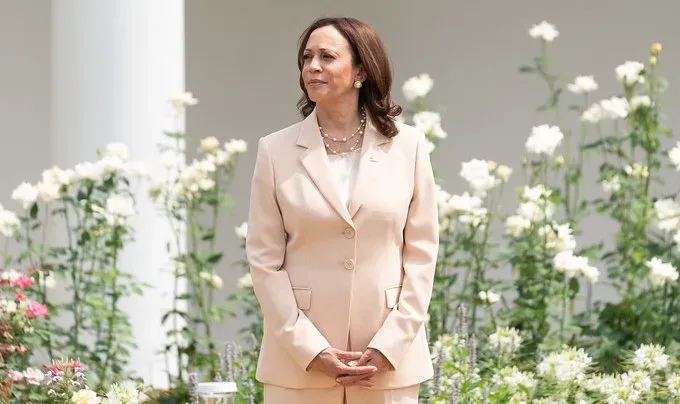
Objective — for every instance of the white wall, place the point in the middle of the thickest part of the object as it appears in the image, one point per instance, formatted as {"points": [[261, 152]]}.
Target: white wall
{"points": [[241, 64], [24, 94]]}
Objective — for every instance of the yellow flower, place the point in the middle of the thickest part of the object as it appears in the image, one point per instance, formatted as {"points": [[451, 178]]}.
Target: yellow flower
{"points": [[656, 48], [653, 61]]}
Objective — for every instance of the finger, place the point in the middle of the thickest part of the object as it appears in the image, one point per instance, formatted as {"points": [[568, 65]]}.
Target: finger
{"points": [[370, 382], [364, 359], [357, 370], [348, 356], [347, 380], [364, 382]]}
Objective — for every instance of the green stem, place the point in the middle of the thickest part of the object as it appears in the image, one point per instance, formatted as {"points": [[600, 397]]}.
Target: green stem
{"points": [[564, 309], [7, 259], [200, 297], [113, 310]]}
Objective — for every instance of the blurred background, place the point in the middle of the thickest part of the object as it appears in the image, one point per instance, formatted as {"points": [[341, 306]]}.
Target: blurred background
{"points": [[78, 74]]}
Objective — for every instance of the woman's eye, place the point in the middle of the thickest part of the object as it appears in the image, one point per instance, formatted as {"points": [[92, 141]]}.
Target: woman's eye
{"points": [[328, 56]]}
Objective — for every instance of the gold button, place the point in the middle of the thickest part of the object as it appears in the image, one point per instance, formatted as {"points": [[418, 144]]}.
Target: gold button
{"points": [[349, 263], [349, 232]]}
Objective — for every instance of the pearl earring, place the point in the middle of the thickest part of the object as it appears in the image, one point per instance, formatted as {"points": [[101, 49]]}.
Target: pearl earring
{"points": [[357, 84]]}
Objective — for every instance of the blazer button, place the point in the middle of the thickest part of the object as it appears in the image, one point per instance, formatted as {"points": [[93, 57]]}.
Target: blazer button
{"points": [[349, 232], [349, 263]]}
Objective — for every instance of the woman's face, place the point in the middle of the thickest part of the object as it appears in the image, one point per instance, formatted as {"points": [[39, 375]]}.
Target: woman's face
{"points": [[327, 69]]}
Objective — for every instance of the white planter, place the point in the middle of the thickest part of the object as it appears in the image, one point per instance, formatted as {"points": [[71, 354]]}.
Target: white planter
{"points": [[216, 392]]}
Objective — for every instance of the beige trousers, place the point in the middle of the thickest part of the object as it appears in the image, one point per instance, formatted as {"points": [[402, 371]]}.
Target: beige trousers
{"points": [[339, 395]]}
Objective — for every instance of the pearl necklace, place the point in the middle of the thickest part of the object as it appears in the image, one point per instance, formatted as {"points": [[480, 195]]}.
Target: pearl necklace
{"points": [[362, 126], [351, 149]]}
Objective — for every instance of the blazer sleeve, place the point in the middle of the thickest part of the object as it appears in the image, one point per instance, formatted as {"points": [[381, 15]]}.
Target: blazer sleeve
{"points": [[419, 257], [265, 251]]}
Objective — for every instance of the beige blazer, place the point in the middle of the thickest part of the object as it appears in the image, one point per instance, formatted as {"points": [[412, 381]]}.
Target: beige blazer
{"points": [[324, 272]]}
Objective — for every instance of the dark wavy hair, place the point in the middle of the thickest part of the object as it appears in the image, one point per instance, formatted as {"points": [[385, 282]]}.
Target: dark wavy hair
{"points": [[369, 52]]}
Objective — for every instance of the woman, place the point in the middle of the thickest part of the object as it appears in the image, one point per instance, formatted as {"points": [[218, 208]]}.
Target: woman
{"points": [[343, 233]]}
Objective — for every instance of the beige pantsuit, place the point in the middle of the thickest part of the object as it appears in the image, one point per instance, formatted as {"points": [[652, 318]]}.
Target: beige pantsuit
{"points": [[338, 395], [327, 274]]}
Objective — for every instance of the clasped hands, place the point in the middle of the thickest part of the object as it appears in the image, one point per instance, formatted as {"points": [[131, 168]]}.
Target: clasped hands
{"points": [[351, 368]]}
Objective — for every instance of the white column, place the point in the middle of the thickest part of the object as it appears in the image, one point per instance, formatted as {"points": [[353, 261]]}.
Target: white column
{"points": [[114, 65]]}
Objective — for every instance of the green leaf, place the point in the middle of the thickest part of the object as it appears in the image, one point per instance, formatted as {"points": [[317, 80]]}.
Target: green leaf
{"points": [[215, 258]]}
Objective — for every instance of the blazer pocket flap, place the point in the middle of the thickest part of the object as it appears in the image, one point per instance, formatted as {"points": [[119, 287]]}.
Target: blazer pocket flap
{"points": [[392, 296], [303, 298]]}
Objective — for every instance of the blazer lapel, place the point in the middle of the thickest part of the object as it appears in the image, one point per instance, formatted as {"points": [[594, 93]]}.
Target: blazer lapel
{"points": [[315, 161], [369, 165]]}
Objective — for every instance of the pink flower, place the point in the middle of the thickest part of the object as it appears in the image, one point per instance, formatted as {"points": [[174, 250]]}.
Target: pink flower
{"points": [[23, 282], [36, 309], [15, 375], [20, 297], [76, 365], [34, 376]]}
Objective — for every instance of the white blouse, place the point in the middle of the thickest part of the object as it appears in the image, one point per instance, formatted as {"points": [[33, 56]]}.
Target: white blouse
{"points": [[344, 169]]}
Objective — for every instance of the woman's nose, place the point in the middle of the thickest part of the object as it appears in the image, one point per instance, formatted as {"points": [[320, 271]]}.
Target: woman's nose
{"points": [[314, 65]]}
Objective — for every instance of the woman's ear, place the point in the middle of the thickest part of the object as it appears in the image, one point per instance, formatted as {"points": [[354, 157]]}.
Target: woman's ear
{"points": [[361, 74]]}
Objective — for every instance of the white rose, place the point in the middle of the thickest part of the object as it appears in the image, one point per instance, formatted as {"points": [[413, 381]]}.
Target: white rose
{"points": [[88, 170], [668, 215], [674, 156], [583, 85], [503, 172], [560, 239], [120, 205], [515, 225], [210, 144], [429, 146], [111, 164], [568, 263], [236, 146], [9, 223], [26, 194], [220, 158], [48, 191], [591, 273], [429, 123], [640, 101], [536, 193], [612, 184], [417, 87], [476, 172], [118, 150], [212, 279], [615, 108], [630, 72], [489, 297], [661, 272], [183, 100], [637, 170], [465, 202], [85, 396], [58, 176], [242, 230], [594, 114], [544, 30], [245, 282], [544, 139]]}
